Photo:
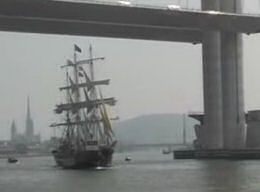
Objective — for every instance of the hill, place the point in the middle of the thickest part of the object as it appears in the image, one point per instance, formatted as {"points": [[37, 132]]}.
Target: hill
{"points": [[154, 129]]}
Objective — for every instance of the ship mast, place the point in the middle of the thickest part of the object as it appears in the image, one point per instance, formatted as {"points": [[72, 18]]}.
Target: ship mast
{"points": [[76, 78], [77, 94], [69, 131], [91, 63], [93, 93]]}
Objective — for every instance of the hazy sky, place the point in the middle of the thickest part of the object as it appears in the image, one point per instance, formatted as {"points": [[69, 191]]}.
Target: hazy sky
{"points": [[146, 76]]}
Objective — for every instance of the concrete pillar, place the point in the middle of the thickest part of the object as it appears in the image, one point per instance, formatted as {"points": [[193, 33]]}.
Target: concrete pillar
{"points": [[232, 83], [212, 130], [253, 129]]}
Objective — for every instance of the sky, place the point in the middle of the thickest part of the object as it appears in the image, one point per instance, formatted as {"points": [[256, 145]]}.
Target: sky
{"points": [[147, 77]]}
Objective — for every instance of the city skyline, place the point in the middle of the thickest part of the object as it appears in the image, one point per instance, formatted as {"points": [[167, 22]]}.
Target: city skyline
{"points": [[26, 135]]}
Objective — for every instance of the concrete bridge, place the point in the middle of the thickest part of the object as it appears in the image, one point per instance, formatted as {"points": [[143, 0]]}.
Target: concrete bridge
{"points": [[218, 26]]}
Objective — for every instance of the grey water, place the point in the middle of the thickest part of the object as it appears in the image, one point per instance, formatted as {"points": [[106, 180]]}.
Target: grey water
{"points": [[149, 171]]}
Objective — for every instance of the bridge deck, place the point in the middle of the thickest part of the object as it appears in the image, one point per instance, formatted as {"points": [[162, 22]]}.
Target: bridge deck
{"points": [[110, 20]]}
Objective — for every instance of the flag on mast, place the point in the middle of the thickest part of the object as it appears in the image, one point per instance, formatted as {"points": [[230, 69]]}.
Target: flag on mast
{"points": [[69, 62], [77, 48]]}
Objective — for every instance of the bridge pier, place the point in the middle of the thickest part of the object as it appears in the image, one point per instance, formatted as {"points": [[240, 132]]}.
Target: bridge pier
{"points": [[212, 129], [232, 83], [224, 120]]}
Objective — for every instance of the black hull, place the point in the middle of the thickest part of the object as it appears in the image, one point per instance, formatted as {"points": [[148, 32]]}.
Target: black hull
{"points": [[84, 159]]}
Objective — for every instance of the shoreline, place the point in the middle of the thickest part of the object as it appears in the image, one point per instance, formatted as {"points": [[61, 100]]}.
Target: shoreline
{"points": [[5, 156]]}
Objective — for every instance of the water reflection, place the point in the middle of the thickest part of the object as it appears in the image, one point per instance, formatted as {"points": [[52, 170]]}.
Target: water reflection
{"points": [[150, 171], [221, 175]]}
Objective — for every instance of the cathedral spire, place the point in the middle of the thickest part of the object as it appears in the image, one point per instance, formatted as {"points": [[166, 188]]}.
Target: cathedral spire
{"points": [[29, 129], [13, 131], [28, 108]]}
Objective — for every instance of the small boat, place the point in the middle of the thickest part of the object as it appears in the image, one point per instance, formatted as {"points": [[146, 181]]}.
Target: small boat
{"points": [[127, 158], [12, 160], [166, 151]]}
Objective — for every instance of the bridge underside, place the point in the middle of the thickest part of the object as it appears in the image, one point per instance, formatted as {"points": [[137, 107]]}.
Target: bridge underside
{"points": [[61, 27], [110, 20]]}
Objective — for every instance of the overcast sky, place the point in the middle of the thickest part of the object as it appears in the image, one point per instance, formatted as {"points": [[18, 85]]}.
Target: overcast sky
{"points": [[146, 76]]}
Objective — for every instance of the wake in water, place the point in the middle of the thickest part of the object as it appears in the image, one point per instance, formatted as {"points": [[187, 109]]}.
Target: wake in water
{"points": [[103, 168]]}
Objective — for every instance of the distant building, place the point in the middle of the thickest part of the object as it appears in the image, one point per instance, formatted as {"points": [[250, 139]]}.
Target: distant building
{"points": [[16, 138], [13, 131], [28, 138], [29, 129]]}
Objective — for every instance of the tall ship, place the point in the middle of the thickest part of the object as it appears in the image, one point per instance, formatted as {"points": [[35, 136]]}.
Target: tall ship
{"points": [[87, 139]]}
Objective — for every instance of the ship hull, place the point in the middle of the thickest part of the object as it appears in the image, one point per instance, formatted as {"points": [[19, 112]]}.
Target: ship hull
{"points": [[84, 159]]}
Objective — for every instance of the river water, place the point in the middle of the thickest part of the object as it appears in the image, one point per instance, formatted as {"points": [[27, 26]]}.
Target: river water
{"points": [[149, 171]]}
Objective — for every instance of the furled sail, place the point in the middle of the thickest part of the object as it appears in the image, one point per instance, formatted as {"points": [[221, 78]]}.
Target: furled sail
{"points": [[79, 105], [88, 85]]}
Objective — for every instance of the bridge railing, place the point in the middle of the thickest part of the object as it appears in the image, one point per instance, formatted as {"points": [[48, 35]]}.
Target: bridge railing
{"points": [[251, 7], [155, 4]]}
